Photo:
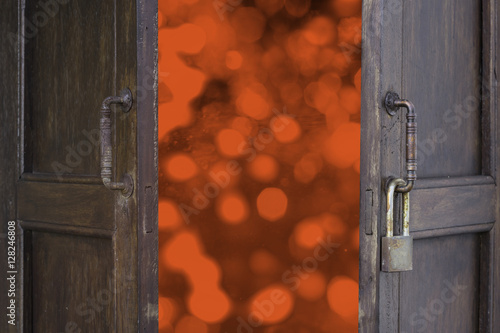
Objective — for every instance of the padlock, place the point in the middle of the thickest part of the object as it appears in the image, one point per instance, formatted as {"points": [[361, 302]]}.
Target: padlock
{"points": [[397, 251]]}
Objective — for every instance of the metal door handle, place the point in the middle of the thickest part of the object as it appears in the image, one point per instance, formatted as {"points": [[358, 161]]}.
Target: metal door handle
{"points": [[127, 184], [392, 104]]}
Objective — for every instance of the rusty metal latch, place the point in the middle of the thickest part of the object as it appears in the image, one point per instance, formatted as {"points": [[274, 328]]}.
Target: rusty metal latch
{"points": [[127, 184]]}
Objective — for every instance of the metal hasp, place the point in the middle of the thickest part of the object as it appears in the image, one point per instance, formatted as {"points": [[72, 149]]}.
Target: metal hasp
{"points": [[397, 251], [126, 185], [392, 104]]}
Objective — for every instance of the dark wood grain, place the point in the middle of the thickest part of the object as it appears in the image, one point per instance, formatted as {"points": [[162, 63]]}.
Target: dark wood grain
{"points": [[494, 88], [77, 238], [486, 281], [468, 229], [147, 172], [430, 183], [8, 150], [68, 204], [452, 206], [126, 211], [73, 284], [428, 304], [370, 167], [66, 230], [441, 70], [439, 55], [69, 71]]}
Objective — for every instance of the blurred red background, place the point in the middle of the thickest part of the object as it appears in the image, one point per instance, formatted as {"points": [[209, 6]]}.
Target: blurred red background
{"points": [[259, 165]]}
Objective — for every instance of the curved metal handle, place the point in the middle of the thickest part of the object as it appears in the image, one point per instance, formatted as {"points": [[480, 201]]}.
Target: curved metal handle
{"points": [[392, 104], [127, 183]]}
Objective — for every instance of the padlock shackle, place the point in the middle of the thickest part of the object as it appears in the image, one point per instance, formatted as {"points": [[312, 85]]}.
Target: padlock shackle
{"points": [[406, 214], [391, 188]]}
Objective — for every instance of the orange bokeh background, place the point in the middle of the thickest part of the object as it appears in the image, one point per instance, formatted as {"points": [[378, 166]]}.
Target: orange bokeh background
{"points": [[259, 135]]}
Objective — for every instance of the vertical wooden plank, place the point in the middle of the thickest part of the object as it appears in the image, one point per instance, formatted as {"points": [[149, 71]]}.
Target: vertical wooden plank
{"points": [[393, 143], [8, 152], [488, 83], [126, 161], [380, 157], [26, 308], [496, 137], [489, 159], [486, 281], [147, 157], [369, 165]]}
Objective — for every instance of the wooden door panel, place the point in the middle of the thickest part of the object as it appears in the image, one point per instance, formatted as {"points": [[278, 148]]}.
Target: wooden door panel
{"points": [[441, 75], [81, 243], [70, 68], [442, 66], [78, 242], [66, 204], [73, 285], [450, 203], [439, 55], [441, 294]]}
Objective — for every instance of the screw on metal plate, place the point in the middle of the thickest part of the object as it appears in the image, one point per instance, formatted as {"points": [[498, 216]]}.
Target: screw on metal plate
{"points": [[390, 103], [127, 100]]}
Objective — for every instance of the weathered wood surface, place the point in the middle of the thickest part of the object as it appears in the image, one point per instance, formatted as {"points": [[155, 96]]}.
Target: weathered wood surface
{"points": [[66, 204], [439, 55], [77, 240], [441, 74], [8, 151], [70, 69], [455, 206]]}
